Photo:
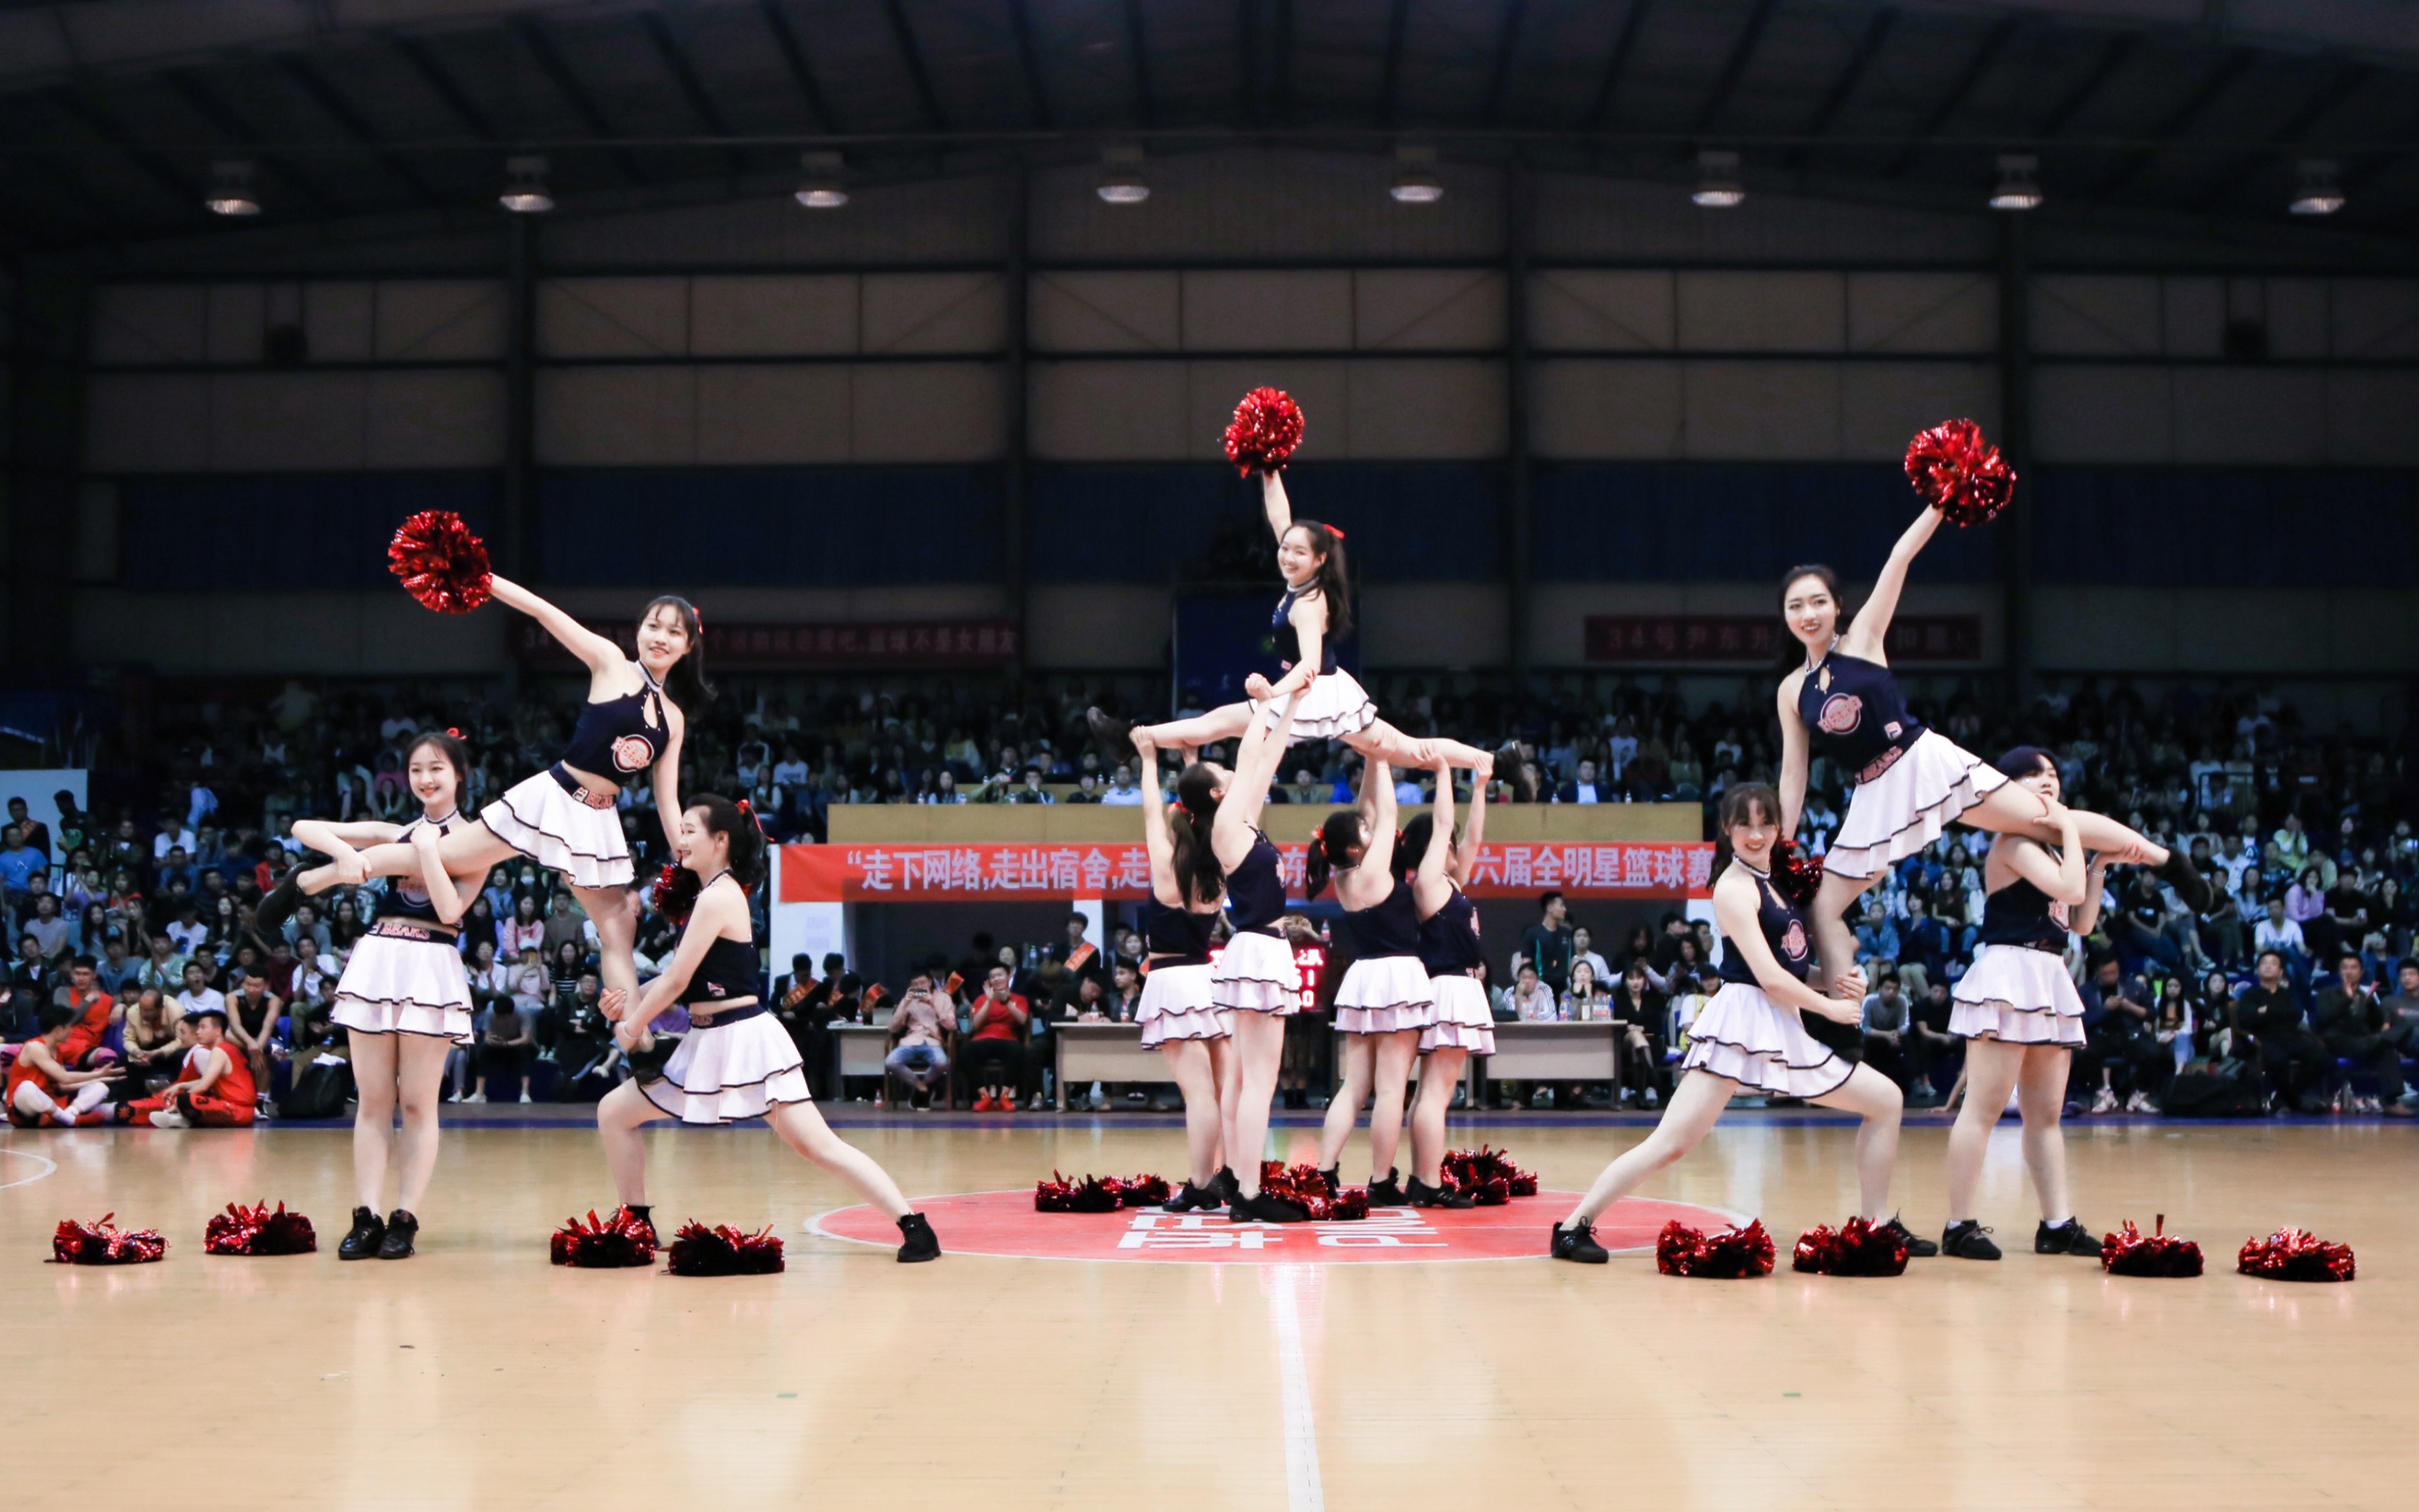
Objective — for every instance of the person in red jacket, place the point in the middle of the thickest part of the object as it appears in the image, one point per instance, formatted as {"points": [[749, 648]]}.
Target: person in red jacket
{"points": [[214, 1090], [94, 1011], [44, 1088]]}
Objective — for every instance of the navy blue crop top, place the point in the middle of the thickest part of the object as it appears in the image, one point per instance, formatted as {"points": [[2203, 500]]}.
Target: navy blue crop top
{"points": [[2022, 914], [406, 895], [1176, 936], [620, 737], [1389, 927], [1854, 711], [1783, 930], [728, 973], [1449, 938], [1289, 639], [1255, 896]]}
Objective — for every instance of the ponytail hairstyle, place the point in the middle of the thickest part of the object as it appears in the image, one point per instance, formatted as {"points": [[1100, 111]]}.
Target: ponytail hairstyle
{"points": [[448, 743], [685, 684], [1331, 850], [738, 822], [1198, 876], [1792, 655], [1412, 845], [1334, 579]]}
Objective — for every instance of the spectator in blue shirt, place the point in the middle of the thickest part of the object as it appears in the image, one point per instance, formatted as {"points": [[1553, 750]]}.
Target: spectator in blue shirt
{"points": [[1876, 941], [19, 865]]}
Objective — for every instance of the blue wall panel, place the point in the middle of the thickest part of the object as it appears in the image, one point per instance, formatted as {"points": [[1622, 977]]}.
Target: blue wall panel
{"points": [[301, 531], [2223, 527]]}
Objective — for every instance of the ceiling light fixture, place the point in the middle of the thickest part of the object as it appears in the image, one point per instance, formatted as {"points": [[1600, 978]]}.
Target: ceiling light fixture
{"points": [[525, 191], [2019, 182], [1122, 182], [2321, 193], [823, 189], [1415, 178], [231, 192], [1717, 180]]}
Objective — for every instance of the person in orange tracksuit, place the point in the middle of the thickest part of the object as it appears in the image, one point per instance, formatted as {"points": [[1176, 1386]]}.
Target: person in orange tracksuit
{"points": [[44, 1086], [214, 1090], [94, 1011]]}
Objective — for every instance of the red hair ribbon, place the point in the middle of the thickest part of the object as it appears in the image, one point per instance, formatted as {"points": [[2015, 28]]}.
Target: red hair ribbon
{"points": [[1333, 531], [451, 731], [742, 807]]}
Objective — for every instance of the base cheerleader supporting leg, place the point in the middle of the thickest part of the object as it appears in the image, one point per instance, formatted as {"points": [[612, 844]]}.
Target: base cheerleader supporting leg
{"points": [[1196, 1082], [374, 1083], [1696, 1106], [2040, 1096], [1388, 1083], [623, 1111], [1344, 1111], [1992, 1068], [802, 1127], [418, 1078], [1441, 1071], [1259, 1044], [1876, 1098], [1835, 942]]}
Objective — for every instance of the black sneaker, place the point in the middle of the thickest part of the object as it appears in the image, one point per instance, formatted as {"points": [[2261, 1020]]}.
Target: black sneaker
{"points": [[1333, 1176], [646, 1215], [362, 1243], [1223, 1186], [2069, 1237], [1510, 767], [2180, 874], [1421, 1194], [401, 1228], [1263, 1209], [1578, 1243], [279, 904], [1968, 1241], [1917, 1249], [920, 1243], [1192, 1198], [1114, 735], [1388, 1193]]}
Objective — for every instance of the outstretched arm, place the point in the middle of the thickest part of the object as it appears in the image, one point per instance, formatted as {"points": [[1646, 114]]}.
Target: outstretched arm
{"points": [[1438, 859], [1164, 885], [1378, 817], [1273, 500], [593, 650], [668, 806], [1734, 910], [1792, 756], [442, 894], [1465, 855], [1247, 791], [1869, 633]]}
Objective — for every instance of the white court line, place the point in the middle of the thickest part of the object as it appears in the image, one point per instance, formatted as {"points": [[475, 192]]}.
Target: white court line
{"points": [[49, 1167], [1304, 1491]]}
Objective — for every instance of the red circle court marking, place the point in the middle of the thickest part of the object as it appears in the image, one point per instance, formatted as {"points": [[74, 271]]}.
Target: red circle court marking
{"points": [[1003, 1223]]}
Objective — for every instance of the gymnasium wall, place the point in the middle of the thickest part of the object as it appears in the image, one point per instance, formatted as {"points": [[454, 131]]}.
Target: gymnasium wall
{"points": [[818, 416]]}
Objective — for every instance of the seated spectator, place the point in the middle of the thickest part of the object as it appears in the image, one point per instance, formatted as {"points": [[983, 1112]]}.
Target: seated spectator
{"points": [[255, 1017], [117, 969], [1877, 943], [2356, 1027], [2281, 934], [920, 1031], [1933, 1048], [214, 1089], [57, 937], [199, 996], [505, 1049], [30, 973], [1583, 789], [1586, 999], [1888, 1033], [1530, 1000], [153, 1042], [995, 1049], [2270, 1033], [1121, 790], [1642, 1014], [19, 865], [1583, 948], [1124, 1000], [95, 1012], [42, 1090], [1924, 949]]}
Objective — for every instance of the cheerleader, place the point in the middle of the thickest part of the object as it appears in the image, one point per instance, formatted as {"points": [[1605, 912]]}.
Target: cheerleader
{"points": [[1752, 1038], [1384, 1003], [1177, 1012], [404, 999], [1463, 1025], [736, 1061], [2022, 1019], [567, 817], [1326, 702], [1254, 980], [1911, 781]]}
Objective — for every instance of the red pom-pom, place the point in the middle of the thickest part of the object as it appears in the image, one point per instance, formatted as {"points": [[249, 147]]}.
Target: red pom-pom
{"points": [[1145, 1191], [722, 1250], [2155, 1253], [255, 1231], [2295, 1255], [1099, 1193], [440, 563], [1857, 1247], [1959, 474], [1306, 1187], [1796, 875], [1266, 429], [674, 894], [1487, 1176], [102, 1244], [1733, 1255], [612, 1244]]}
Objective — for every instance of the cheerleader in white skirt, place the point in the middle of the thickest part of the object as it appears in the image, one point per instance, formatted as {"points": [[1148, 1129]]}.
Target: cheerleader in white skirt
{"points": [[1750, 1037], [404, 999], [1911, 781], [1463, 1023], [568, 818], [1384, 1003], [2022, 1019], [736, 1061], [1179, 1014], [1326, 701]]}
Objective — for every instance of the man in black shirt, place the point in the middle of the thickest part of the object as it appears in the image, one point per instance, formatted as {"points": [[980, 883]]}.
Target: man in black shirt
{"points": [[2269, 1033], [1546, 944], [2355, 1026]]}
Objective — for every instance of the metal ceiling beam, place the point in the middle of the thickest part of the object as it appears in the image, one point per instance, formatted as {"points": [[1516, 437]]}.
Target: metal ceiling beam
{"points": [[785, 39], [1398, 19], [566, 83], [1029, 59], [2237, 62], [1869, 46], [1735, 66], [441, 84], [199, 98], [912, 56], [1138, 49], [693, 89], [1601, 110], [87, 112], [2118, 52], [1995, 43], [340, 110], [1505, 43], [2345, 80]]}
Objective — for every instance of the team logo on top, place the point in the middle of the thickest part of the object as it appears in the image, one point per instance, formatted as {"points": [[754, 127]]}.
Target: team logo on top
{"points": [[1893, 728], [1841, 713], [1794, 943], [412, 890], [633, 753]]}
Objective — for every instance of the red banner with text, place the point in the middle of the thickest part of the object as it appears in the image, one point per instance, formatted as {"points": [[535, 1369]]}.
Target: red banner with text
{"points": [[955, 873]]}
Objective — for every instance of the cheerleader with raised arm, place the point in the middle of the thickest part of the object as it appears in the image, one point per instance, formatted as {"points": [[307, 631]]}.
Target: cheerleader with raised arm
{"points": [[2022, 1019], [1911, 781], [736, 1061], [405, 999], [1752, 1038], [1384, 1002], [1462, 1024], [1177, 1013], [567, 818]]}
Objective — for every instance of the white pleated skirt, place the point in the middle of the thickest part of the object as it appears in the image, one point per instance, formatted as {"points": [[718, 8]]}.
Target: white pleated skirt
{"points": [[1901, 811], [1742, 1035], [2018, 995], [1384, 995], [537, 818], [1463, 1020], [1254, 973], [729, 1072], [1334, 705], [1177, 1005], [393, 986]]}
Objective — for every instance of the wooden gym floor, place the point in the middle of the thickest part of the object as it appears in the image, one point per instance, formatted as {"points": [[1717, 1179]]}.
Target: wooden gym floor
{"points": [[478, 1376]]}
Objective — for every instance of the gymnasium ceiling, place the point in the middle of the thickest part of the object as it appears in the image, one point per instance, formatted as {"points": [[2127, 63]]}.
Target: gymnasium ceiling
{"points": [[112, 111]]}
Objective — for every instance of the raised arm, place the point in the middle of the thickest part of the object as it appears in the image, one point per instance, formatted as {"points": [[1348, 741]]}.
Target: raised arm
{"points": [[1429, 889], [1247, 791], [2060, 878], [2086, 916], [1465, 855], [1165, 883], [666, 773], [442, 894], [1735, 905], [1273, 500], [1793, 755], [1869, 632], [1378, 818], [593, 650]]}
